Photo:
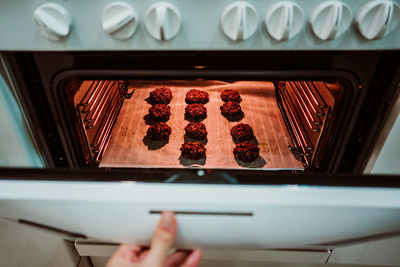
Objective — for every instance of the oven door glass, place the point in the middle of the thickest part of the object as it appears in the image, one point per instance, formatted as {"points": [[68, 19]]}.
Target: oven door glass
{"points": [[209, 215], [16, 146]]}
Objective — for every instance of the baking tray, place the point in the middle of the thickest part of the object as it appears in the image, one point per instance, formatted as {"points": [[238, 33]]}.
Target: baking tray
{"points": [[129, 147]]}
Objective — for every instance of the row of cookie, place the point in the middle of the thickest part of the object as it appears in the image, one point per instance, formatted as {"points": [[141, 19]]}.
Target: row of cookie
{"points": [[231, 108], [241, 133], [160, 113], [195, 112]]}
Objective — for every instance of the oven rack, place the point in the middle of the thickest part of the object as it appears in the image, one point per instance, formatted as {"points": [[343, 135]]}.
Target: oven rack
{"points": [[98, 110], [305, 109]]}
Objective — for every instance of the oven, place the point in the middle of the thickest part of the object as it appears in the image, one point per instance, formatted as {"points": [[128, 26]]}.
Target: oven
{"points": [[319, 85]]}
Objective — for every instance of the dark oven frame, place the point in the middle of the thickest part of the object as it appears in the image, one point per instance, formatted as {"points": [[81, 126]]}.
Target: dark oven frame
{"points": [[372, 77]]}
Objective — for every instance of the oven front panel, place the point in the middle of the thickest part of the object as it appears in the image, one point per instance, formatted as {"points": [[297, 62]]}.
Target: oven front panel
{"points": [[370, 80], [208, 215], [199, 25]]}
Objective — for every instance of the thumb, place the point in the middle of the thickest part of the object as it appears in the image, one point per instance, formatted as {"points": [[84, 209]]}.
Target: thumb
{"points": [[163, 239]]}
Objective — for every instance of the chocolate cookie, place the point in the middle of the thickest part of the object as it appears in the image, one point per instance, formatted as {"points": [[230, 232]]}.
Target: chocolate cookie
{"points": [[231, 109], [230, 95], [159, 131], [193, 150], [246, 151], [242, 132], [160, 112], [196, 130], [162, 95], [196, 111], [196, 96]]}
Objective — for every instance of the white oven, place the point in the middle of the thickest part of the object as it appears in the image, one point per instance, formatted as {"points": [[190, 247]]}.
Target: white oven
{"points": [[319, 85]]}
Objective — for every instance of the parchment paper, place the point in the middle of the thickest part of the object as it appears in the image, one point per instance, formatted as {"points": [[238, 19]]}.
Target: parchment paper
{"points": [[129, 147]]}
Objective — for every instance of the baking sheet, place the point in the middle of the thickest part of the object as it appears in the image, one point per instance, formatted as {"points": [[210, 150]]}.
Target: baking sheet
{"points": [[129, 147]]}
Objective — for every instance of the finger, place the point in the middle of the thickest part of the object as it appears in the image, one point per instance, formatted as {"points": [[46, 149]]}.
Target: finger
{"points": [[143, 255], [176, 259], [128, 252], [163, 239], [124, 256], [193, 259]]}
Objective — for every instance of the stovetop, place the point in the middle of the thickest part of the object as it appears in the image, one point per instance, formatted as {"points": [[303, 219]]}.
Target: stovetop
{"points": [[199, 25]]}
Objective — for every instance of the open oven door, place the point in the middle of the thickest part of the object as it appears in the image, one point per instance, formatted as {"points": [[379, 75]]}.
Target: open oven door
{"points": [[209, 215]]}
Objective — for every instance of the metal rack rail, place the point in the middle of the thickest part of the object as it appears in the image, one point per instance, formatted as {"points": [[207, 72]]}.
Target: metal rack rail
{"points": [[305, 106], [98, 110]]}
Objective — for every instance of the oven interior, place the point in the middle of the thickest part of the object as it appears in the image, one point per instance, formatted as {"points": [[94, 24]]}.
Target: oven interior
{"points": [[292, 122]]}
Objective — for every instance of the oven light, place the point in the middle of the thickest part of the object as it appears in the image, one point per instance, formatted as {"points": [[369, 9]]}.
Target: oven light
{"points": [[199, 67]]}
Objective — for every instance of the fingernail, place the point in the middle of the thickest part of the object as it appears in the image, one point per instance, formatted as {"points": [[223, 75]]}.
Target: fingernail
{"points": [[167, 220]]}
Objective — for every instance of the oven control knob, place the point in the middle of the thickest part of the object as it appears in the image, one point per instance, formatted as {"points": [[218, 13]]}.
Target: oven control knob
{"points": [[330, 19], [375, 19], [284, 20], [239, 21], [53, 21], [120, 20], [163, 21]]}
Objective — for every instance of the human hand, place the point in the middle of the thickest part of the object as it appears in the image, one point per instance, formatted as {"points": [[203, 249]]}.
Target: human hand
{"points": [[157, 256]]}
